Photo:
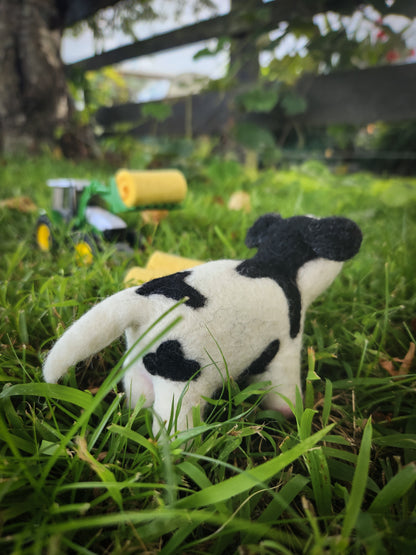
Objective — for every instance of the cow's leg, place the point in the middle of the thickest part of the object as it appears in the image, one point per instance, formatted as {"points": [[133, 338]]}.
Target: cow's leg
{"points": [[284, 374], [176, 401], [137, 382]]}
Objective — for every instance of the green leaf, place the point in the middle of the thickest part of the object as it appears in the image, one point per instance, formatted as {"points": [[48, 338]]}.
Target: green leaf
{"points": [[395, 489], [345, 473], [246, 480], [282, 499], [196, 473], [50, 391], [253, 136], [305, 426], [101, 470], [157, 110], [259, 99], [204, 52], [327, 402], [359, 483], [50, 447], [321, 480], [154, 523], [135, 437], [18, 442], [257, 388], [293, 104], [402, 441], [24, 336]]}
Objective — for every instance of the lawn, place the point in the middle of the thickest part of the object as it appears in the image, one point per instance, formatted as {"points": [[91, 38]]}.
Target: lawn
{"points": [[80, 473]]}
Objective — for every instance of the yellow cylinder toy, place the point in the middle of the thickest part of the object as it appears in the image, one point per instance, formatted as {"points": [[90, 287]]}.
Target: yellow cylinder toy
{"points": [[137, 276], [170, 263], [159, 264], [151, 187]]}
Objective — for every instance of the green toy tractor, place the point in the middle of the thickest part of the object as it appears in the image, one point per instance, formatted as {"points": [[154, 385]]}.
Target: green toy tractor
{"points": [[89, 209]]}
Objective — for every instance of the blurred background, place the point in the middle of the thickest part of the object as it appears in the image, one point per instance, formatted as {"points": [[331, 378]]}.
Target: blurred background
{"points": [[273, 81]]}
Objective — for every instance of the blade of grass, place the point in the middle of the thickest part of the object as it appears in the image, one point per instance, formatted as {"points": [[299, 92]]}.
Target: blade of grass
{"points": [[321, 480], [305, 425], [5, 434], [158, 522], [135, 437], [196, 473], [103, 421], [327, 402], [402, 441], [283, 498], [52, 391], [101, 470], [246, 480], [396, 488], [359, 483]]}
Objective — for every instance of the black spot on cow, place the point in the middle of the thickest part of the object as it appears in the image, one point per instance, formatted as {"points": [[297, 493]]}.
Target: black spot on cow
{"points": [[282, 250], [260, 364], [174, 287], [285, 245], [169, 362], [250, 268]]}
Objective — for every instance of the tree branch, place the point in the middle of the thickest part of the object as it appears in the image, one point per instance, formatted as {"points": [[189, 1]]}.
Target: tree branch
{"points": [[74, 11]]}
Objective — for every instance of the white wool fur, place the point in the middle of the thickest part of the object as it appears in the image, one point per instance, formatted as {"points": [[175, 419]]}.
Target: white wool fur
{"points": [[241, 318]]}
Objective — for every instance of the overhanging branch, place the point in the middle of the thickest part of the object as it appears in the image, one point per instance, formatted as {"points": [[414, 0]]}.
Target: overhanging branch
{"points": [[74, 11]]}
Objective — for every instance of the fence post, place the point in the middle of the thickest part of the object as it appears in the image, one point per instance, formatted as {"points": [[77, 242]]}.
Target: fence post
{"points": [[244, 58]]}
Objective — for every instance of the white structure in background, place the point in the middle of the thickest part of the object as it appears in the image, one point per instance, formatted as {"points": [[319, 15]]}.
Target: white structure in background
{"points": [[144, 86]]}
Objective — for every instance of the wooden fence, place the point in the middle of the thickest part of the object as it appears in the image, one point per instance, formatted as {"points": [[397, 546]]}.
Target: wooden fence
{"points": [[354, 97]]}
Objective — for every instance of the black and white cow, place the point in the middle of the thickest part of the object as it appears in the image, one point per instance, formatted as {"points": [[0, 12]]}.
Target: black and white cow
{"points": [[244, 318]]}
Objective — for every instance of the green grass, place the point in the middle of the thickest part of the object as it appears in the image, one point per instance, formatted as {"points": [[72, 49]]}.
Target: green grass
{"points": [[80, 473]]}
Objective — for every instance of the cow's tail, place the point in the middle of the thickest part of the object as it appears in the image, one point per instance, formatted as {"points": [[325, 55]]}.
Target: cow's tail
{"points": [[96, 329]]}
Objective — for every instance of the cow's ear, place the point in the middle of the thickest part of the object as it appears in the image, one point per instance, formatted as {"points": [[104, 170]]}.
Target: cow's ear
{"points": [[261, 229], [334, 238]]}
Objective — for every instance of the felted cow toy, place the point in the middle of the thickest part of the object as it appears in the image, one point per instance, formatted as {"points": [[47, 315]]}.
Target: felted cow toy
{"points": [[240, 318]]}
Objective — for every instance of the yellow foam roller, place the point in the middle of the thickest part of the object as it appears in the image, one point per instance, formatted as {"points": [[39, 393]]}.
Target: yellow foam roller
{"points": [[159, 264], [170, 263], [137, 276], [151, 187]]}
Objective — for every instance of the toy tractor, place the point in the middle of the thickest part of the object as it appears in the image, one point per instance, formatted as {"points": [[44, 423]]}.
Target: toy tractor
{"points": [[90, 209]]}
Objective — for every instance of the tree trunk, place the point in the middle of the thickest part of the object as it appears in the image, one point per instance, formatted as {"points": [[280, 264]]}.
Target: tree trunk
{"points": [[35, 106]]}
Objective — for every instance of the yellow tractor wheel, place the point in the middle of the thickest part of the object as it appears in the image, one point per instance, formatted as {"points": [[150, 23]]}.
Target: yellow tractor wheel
{"points": [[44, 238], [84, 251]]}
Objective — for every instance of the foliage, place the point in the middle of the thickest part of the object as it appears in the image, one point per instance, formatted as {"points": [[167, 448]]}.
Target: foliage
{"points": [[326, 43], [333, 42], [80, 473], [121, 16], [93, 89], [382, 138], [124, 14], [157, 110], [258, 99]]}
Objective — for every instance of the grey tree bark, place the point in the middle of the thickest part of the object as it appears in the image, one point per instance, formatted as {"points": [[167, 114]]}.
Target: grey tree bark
{"points": [[34, 99]]}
